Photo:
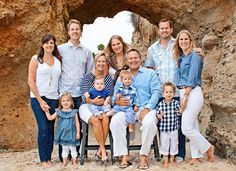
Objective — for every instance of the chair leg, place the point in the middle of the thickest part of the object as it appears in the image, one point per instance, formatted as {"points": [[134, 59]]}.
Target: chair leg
{"points": [[83, 142], [111, 148], [156, 149]]}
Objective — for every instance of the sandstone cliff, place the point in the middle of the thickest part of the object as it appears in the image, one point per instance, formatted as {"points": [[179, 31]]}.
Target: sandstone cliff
{"points": [[24, 22]]}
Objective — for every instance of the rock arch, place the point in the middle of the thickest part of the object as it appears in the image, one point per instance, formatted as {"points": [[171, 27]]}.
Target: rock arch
{"points": [[23, 23]]}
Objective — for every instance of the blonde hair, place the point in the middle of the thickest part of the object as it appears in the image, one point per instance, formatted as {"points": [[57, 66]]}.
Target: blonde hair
{"points": [[123, 73], [98, 55], [74, 21], [177, 51], [66, 94]]}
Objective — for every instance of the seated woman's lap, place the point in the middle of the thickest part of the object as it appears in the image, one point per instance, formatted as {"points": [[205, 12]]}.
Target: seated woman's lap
{"points": [[84, 113]]}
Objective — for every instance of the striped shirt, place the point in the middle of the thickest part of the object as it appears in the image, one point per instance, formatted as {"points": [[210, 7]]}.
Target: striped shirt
{"points": [[170, 120], [161, 59], [88, 82]]}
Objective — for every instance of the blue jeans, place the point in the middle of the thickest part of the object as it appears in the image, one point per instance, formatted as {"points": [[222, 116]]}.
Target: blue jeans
{"points": [[77, 103], [45, 128]]}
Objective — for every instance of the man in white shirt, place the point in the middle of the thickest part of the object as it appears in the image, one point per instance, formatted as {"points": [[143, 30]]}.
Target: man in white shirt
{"points": [[77, 60]]}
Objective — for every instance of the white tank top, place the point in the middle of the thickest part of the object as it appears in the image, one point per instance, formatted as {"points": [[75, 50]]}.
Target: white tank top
{"points": [[47, 79]]}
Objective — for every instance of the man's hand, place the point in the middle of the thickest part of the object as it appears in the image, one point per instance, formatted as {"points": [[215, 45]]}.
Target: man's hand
{"points": [[122, 101], [143, 113]]}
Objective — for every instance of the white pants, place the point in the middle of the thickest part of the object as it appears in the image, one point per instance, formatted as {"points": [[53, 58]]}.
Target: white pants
{"points": [[66, 149], [118, 127], [169, 143], [84, 113], [190, 127]]}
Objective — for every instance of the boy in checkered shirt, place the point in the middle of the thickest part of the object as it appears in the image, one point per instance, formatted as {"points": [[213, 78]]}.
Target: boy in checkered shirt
{"points": [[167, 112]]}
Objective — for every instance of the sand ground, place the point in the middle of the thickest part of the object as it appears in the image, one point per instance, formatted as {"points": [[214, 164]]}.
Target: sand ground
{"points": [[29, 161]]}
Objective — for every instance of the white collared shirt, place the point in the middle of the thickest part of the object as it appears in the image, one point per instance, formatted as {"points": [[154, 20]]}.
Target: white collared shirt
{"points": [[76, 62]]}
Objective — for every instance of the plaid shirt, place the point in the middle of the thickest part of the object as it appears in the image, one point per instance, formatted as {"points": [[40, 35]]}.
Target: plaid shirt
{"points": [[162, 61], [170, 120]]}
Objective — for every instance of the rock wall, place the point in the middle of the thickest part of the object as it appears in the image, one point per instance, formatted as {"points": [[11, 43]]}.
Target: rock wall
{"points": [[24, 22]]}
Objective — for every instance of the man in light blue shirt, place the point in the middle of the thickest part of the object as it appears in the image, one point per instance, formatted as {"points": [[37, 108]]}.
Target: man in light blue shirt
{"points": [[148, 87], [77, 61]]}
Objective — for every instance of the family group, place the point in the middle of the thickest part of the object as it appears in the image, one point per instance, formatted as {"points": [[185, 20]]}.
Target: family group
{"points": [[114, 90]]}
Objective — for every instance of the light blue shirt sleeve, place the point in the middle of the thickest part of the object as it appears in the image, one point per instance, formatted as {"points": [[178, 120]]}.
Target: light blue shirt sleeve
{"points": [[194, 70], [155, 87], [116, 89]]}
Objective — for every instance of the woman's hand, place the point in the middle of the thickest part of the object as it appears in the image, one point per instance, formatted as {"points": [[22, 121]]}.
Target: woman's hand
{"points": [[98, 101], [44, 106], [78, 135], [183, 103]]}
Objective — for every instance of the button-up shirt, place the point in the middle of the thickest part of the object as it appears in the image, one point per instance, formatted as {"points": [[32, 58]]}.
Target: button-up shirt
{"points": [[161, 59], [76, 62], [148, 87], [170, 120], [190, 70]]}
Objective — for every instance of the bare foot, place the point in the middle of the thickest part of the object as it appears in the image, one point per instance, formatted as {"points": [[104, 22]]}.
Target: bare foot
{"points": [[49, 163], [45, 165], [74, 160], [193, 161], [173, 163], [166, 162], [210, 153], [64, 162]]}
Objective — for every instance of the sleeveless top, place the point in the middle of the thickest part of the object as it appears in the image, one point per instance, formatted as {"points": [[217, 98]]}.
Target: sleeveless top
{"points": [[66, 129], [47, 78]]}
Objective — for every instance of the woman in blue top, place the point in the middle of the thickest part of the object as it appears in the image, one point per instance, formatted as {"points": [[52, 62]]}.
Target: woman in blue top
{"points": [[190, 70]]}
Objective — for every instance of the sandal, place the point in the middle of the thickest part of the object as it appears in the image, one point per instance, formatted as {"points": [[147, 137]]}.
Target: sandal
{"points": [[97, 156], [143, 164], [124, 162], [124, 165]]}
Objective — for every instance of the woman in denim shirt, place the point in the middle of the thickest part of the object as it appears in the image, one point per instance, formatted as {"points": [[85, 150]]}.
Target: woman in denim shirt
{"points": [[190, 70]]}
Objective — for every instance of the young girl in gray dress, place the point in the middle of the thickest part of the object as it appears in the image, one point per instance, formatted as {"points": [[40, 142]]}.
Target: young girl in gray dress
{"points": [[68, 127]]}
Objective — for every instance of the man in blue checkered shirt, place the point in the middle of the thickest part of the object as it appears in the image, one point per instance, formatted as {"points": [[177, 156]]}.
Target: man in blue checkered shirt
{"points": [[167, 112]]}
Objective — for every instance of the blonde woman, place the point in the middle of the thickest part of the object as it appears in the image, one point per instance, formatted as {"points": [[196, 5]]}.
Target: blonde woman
{"points": [[190, 69]]}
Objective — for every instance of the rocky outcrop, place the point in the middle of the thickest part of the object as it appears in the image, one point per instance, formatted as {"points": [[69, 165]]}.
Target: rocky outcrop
{"points": [[213, 24]]}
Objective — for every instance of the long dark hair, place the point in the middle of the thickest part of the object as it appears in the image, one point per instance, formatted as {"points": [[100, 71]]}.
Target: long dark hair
{"points": [[55, 52]]}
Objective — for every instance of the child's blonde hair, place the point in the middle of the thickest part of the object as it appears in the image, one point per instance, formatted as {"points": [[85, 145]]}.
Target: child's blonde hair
{"points": [[168, 84], [66, 94], [124, 72]]}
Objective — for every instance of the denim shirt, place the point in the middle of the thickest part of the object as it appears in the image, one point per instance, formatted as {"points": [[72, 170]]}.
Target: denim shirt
{"points": [[148, 87], [190, 70]]}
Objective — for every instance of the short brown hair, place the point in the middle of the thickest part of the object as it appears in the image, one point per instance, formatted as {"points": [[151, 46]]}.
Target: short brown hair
{"points": [[168, 84], [74, 21], [134, 50], [165, 20]]}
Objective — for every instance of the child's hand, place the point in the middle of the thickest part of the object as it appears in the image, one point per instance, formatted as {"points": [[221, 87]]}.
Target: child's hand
{"points": [[135, 108], [118, 96], [160, 116], [78, 135]]}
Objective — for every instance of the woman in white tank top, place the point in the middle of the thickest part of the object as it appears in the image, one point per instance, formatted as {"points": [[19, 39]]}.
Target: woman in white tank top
{"points": [[43, 76]]}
